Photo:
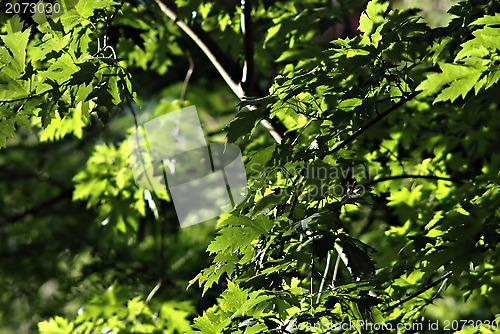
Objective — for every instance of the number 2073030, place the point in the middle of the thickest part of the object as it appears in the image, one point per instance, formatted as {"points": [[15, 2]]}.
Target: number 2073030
{"points": [[32, 8]]}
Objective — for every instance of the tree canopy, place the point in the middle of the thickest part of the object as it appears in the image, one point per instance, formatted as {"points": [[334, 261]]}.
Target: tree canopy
{"points": [[369, 140]]}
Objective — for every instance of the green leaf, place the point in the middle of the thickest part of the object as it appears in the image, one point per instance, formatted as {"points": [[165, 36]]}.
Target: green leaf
{"points": [[57, 325], [210, 323], [272, 32], [488, 20], [488, 37], [372, 16], [375, 10], [450, 72], [459, 87], [350, 104], [15, 25], [17, 43], [243, 124], [261, 224], [7, 130], [259, 160], [114, 91], [60, 71], [365, 24], [82, 11], [358, 260], [232, 238]]}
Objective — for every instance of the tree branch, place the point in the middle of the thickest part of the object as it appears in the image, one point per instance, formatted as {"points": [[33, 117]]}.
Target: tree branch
{"points": [[188, 76], [25, 98], [343, 257], [248, 76], [36, 208], [371, 123], [335, 271], [323, 279], [110, 20], [419, 292], [411, 176], [224, 65]]}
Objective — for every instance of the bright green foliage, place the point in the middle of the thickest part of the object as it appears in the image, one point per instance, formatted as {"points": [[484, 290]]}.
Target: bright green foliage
{"points": [[103, 313], [441, 227], [61, 70], [474, 67], [107, 183], [381, 197]]}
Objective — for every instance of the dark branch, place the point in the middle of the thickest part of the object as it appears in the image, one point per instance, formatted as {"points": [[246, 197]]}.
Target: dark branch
{"points": [[419, 292], [411, 176], [248, 76], [110, 20], [36, 208], [25, 98], [371, 123]]}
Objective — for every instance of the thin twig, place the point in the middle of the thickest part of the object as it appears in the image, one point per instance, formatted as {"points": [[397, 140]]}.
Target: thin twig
{"points": [[343, 257], [295, 199], [298, 191], [327, 267], [132, 111], [26, 97], [149, 297], [411, 176], [108, 24], [368, 125], [335, 271], [395, 157], [312, 273], [136, 133], [188, 76], [161, 256], [162, 251], [152, 293], [439, 290], [419, 292]]}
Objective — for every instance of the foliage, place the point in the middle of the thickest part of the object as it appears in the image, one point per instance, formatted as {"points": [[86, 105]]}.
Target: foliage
{"points": [[376, 194]]}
